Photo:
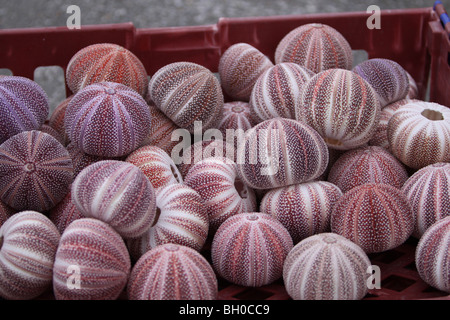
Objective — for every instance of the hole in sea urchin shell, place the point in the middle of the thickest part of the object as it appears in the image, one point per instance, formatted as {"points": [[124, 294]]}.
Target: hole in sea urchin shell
{"points": [[329, 239], [333, 142], [252, 217], [432, 115], [172, 247], [29, 167], [237, 109]]}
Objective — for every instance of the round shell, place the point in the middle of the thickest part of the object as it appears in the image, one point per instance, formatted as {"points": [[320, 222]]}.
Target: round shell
{"points": [[28, 243], [117, 193], [249, 249], [280, 152], [64, 213], [56, 120], [315, 46], [91, 263], [237, 115], [341, 106], [326, 266], [172, 272], [35, 171], [107, 119], [106, 62]]}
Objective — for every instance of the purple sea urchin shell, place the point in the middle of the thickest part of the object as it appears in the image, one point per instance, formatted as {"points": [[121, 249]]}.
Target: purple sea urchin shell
{"points": [[64, 213]]}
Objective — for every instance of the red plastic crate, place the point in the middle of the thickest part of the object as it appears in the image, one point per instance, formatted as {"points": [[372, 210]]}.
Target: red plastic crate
{"points": [[414, 38]]}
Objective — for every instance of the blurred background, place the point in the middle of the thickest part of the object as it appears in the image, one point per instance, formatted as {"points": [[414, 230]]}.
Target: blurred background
{"points": [[165, 13]]}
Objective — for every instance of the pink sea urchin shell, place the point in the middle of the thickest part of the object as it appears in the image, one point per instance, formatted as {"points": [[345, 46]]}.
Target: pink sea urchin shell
{"points": [[249, 249], [56, 120], [377, 217], [187, 92], [117, 193], [28, 243], [64, 213], [172, 272], [341, 106], [106, 62], [236, 115], [23, 106], [280, 152], [433, 255], [315, 46], [107, 119], [35, 171], [326, 266], [91, 263], [304, 209], [428, 192], [239, 67]]}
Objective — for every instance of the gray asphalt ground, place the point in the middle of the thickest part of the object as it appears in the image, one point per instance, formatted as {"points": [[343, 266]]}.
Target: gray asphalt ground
{"points": [[164, 13]]}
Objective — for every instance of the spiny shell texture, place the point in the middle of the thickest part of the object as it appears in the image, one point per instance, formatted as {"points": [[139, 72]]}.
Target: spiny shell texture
{"points": [[117, 193], [23, 106], [172, 272], [304, 209], [56, 120], [315, 46], [377, 217], [187, 92], [91, 263], [280, 152], [107, 119], [35, 171], [326, 266], [249, 249], [28, 243], [239, 67], [106, 62], [341, 106], [64, 213], [236, 115]]}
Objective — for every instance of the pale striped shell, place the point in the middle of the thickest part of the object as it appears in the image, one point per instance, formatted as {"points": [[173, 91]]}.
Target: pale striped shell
{"points": [[304, 209], [236, 115], [341, 106], [433, 255], [369, 164], [187, 92], [377, 217], [181, 219], [65, 213], [280, 152], [249, 249], [388, 78], [326, 266], [419, 134], [315, 46], [91, 263], [172, 272], [277, 91], [28, 243], [223, 192], [117, 193], [239, 67], [428, 192]]}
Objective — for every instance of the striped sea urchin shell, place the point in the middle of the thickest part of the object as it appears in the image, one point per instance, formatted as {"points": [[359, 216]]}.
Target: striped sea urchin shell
{"points": [[303, 209], [223, 193], [64, 213], [315, 46], [181, 219], [23, 106], [377, 217], [341, 106], [117, 193], [413, 92], [326, 266], [239, 67], [28, 243], [187, 92], [277, 91], [428, 192], [236, 115], [249, 249], [369, 164], [95, 253], [280, 152], [433, 255], [56, 120], [107, 119], [35, 171], [109, 62], [419, 134], [172, 272], [157, 166]]}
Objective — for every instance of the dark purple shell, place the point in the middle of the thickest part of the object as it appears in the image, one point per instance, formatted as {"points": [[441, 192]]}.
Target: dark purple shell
{"points": [[35, 171], [107, 119], [23, 106]]}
